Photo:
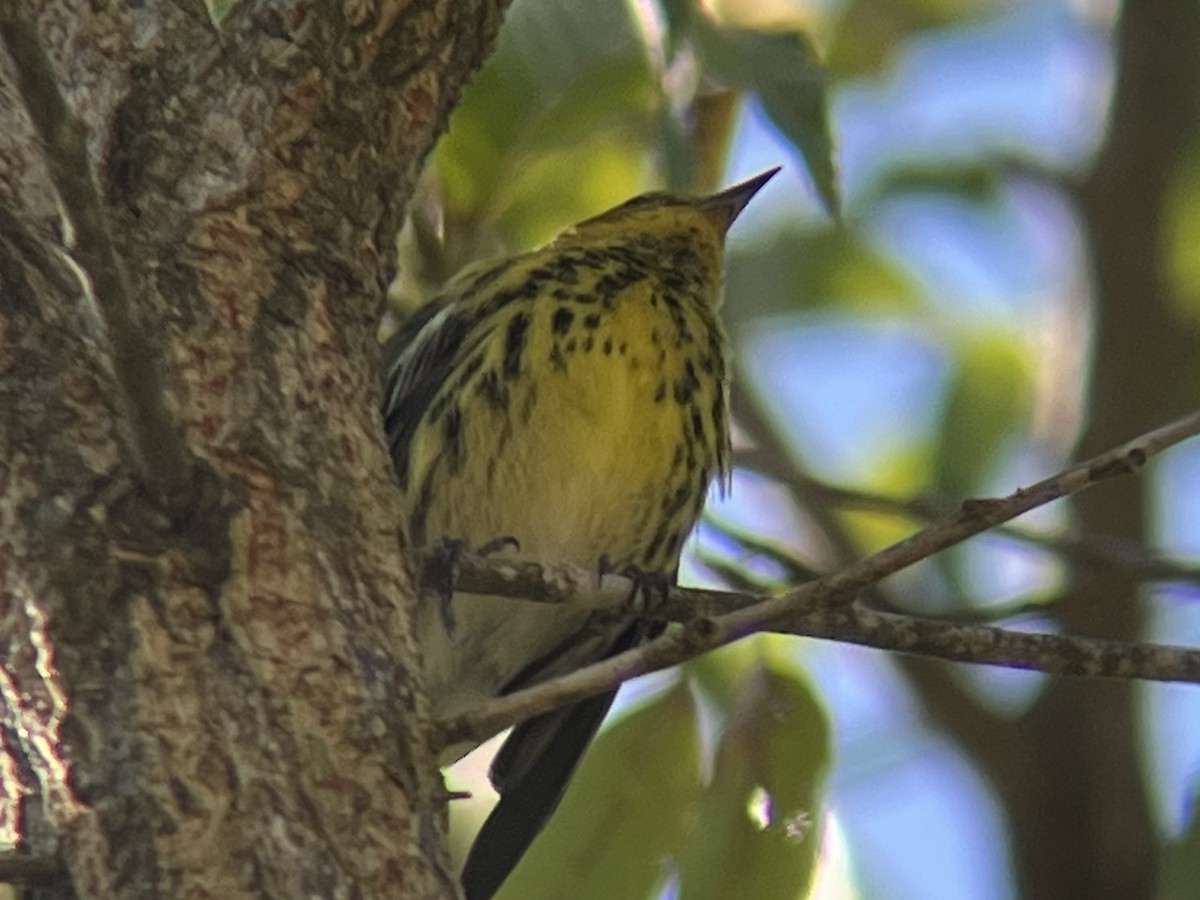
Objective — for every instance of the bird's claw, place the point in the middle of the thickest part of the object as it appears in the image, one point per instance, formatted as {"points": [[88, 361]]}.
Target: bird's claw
{"points": [[650, 592]]}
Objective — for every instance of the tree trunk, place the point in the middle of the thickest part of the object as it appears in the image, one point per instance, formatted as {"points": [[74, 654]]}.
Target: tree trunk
{"points": [[208, 683]]}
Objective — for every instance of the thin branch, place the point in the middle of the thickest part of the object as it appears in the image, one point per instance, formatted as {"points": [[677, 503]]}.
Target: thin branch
{"points": [[1133, 559], [825, 609], [153, 432], [17, 867], [963, 718], [743, 581], [976, 516], [855, 624]]}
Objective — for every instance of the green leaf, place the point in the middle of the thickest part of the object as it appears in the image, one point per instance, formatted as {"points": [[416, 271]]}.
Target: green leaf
{"points": [[472, 155], [782, 69], [757, 832], [979, 182], [1181, 861], [563, 74], [627, 809], [720, 674], [799, 268], [600, 173], [557, 40], [1182, 232], [988, 399], [871, 32], [616, 91], [678, 16]]}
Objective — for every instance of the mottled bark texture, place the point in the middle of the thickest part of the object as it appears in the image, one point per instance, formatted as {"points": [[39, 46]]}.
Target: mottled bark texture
{"points": [[207, 680]]}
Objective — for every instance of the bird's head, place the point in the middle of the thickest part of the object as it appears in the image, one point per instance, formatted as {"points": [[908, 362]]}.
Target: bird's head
{"points": [[660, 213]]}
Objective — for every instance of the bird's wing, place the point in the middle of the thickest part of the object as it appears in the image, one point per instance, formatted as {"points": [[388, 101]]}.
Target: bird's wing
{"points": [[417, 361], [427, 349]]}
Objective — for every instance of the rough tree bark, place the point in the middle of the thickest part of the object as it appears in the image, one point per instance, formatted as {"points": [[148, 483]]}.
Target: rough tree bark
{"points": [[207, 682]]}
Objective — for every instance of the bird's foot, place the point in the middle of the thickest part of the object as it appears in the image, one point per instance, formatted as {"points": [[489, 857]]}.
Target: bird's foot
{"points": [[650, 592]]}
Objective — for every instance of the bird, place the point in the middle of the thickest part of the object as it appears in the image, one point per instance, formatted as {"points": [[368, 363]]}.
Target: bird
{"points": [[571, 403]]}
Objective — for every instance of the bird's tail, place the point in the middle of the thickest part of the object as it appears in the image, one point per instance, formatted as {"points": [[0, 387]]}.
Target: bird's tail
{"points": [[531, 772]]}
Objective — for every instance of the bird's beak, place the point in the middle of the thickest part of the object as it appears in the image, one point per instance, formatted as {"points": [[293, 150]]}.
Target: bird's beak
{"points": [[723, 207]]}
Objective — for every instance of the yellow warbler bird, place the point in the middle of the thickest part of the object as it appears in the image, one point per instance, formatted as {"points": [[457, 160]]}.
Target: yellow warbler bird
{"points": [[574, 398]]}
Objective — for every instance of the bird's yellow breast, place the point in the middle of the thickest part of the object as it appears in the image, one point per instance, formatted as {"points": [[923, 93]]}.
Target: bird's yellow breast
{"points": [[588, 429], [583, 413], [604, 442], [592, 417]]}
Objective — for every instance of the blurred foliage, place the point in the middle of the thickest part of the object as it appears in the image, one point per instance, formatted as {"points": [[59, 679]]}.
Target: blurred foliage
{"points": [[626, 812], [580, 103], [781, 69], [987, 402], [639, 813], [584, 105], [1182, 262], [1181, 863], [546, 133], [759, 820], [871, 31], [826, 268]]}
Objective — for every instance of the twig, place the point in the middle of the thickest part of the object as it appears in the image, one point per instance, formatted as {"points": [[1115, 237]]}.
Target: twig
{"points": [[16, 866], [744, 581], [944, 698], [824, 609], [153, 432], [1130, 557]]}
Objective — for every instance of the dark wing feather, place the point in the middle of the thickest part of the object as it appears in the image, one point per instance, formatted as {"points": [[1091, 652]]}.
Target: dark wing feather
{"points": [[526, 803], [425, 351], [533, 767], [417, 361]]}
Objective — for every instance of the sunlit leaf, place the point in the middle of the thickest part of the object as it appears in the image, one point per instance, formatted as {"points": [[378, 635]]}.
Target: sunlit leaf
{"points": [[782, 69], [615, 91], [870, 31], [797, 268], [757, 832], [720, 673], [980, 182], [625, 812], [1181, 862], [987, 400], [873, 531], [472, 154], [1182, 225], [601, 173]]}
